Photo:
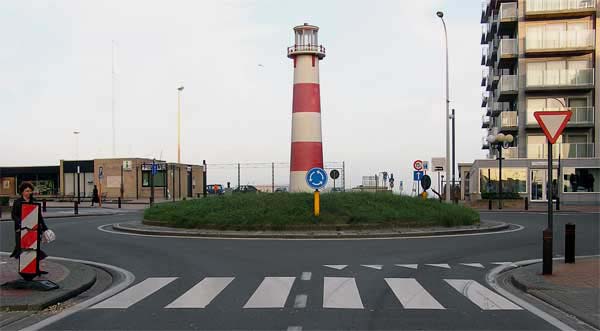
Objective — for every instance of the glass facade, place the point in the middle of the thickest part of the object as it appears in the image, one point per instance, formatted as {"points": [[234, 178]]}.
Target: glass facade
{"points": [[513, 180], [581, 180], [159, 178]]}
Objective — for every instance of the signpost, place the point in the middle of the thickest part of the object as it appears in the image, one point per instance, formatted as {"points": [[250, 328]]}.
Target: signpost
{"points": [[552, 123], [391, 181], [334, 174], [316, 178], [100, 177]]}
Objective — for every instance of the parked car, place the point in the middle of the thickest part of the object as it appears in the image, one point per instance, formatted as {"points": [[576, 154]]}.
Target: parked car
{"points": [[246, 189], [337, 189], [281, 190], [216, 189]]}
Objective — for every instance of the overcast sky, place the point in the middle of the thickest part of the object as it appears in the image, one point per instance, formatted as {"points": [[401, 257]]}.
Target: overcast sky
{"points": [[382, 81]]}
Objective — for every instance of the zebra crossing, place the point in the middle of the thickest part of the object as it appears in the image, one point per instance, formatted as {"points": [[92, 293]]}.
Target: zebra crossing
{"points": [[416, 266], [337, 293]]}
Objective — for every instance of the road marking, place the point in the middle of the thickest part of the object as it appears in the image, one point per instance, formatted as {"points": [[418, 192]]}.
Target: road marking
{"points": [[474, 265], [336, 266], [373, 266], [202, 293], [341, 292], [271, 293], [300, 301], [411, 266], [440, 265], [481, 295], [294, 328], [135, 293], [411, 294], [505, 263], [306, 275]]}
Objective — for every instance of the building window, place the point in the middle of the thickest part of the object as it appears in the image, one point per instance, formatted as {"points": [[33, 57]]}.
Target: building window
{"points": [[581, 180], [513, 180], [159, 179]]}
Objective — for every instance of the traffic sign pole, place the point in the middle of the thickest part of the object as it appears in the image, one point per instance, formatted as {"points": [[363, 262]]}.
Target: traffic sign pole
{"points": [[549, 233], [317, 203]]}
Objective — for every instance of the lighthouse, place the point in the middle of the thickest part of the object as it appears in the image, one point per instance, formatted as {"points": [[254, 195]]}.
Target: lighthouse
{"points": [[307, 146]]}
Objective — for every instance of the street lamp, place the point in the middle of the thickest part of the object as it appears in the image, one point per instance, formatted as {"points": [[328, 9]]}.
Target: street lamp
{"points": [[179, 89], [500, 141], [448, 164], [76, 133]]}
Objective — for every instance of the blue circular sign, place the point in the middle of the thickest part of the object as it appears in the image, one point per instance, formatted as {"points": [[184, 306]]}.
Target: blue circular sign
{"points": [[316, 178]]}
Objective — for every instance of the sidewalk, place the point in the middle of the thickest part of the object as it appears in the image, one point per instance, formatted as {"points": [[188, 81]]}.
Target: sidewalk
{"points": [[572, 288], [72, 279], [56, 212]]}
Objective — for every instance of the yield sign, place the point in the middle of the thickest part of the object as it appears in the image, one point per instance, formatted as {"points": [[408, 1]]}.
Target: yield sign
{"points": [[552, 123]]}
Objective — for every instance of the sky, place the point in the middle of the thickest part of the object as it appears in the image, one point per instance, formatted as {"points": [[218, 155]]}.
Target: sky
{"points": [[382, 82]]}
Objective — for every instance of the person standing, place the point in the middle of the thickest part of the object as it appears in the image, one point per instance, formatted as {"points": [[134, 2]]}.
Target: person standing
{"points": [[26, 191], [95, 196]]}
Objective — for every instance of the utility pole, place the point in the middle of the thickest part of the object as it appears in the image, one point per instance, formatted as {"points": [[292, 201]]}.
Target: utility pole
{"points": [[179, 89], [453, 155], [447, 118]]}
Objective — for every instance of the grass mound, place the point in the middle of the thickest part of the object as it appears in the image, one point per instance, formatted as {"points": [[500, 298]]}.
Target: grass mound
{"points": [[288, 211]]}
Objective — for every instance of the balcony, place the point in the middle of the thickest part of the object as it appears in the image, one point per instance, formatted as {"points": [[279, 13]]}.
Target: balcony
{"points": [[561, 42], [566, 151], [508, 121], [508, 88], [484, 76], [485, 122], [507, 17], [507, 52], [484, 99], [495, 108], [483, 56], [306, 49], [560, 79], [492, 79], [485, 11], [581, 117], [492, 51], [484, 29], [559, 8], [484, 143]]}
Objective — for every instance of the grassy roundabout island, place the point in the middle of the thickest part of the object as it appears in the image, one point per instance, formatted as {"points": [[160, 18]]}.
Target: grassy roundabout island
{"points": [[292, 211]]}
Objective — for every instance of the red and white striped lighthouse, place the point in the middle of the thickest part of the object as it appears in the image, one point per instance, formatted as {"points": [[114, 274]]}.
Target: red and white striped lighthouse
{"points": [[307, 146]]}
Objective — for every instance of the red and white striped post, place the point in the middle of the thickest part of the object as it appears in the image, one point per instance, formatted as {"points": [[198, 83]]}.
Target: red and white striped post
{"points": [[28, 259], [307, 146]]}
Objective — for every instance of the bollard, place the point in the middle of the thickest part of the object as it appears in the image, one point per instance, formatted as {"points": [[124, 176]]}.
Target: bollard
{"points": [[490, 204], [76, 207], [151, 201], [119, 202], [547, 252], [44, 205], [557, 203], [526, 203], [569, 243]]}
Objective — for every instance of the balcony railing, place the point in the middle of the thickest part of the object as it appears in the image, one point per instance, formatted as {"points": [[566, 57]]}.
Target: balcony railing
{"points": [[508, 83], [561, 40], [566, 151], [580, 115], [299, 49], [534, 6], [485, 122], [560, 78], [508, 119], [508, 11], [508, 47]]}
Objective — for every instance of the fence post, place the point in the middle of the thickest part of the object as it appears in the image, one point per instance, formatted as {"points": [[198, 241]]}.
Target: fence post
{"points": [[526, 203], [75, 207], [569, 243]]}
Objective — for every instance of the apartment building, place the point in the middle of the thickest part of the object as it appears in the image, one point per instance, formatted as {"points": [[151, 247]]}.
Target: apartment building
{"points": [[539, 55]]}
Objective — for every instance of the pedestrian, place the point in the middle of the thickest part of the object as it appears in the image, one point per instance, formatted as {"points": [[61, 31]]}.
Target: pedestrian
{"points": [[95, 197], [26, 191]]}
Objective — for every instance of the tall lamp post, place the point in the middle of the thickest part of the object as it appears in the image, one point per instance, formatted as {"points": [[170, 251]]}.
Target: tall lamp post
{"points": [[448, 164], [179, 89], [76, 133], [500, 141]]}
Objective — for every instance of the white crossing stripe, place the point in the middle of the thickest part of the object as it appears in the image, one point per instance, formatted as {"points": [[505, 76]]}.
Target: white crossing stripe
{"points": [[373, 266], [505, 263], [306, 275], [341, 292], [411, 266], [411, 294], [135, 293], [202, 293], [474, 265], [336, 266], [480, 295], [271, 293], [439, 265]]}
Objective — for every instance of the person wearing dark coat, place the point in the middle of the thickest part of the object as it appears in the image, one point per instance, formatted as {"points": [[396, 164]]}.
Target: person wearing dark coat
{"points": [[95, 197], [26, 191]]}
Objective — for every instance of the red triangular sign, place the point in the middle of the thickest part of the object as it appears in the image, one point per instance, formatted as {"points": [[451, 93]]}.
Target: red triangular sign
{"points": [[552, 123]]}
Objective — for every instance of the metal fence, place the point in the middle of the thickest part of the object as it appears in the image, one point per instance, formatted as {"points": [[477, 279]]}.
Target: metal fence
{"points": [[265, 176]]}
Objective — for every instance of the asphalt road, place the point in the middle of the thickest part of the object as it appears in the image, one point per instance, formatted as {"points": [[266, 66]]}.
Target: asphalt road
{"points": [[192, 283]]}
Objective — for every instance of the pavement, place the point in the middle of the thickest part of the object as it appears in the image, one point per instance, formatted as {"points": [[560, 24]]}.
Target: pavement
{"points": [[72, 279], [573, 288], [322, 232], [62, 212], [188, 283]]}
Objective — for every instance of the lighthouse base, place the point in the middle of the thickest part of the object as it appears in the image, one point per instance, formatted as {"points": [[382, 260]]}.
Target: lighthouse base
{"points": [[298, 182]]}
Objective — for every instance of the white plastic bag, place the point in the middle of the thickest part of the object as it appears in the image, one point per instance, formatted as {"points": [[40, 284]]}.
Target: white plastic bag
{"points": [[48, 236]]}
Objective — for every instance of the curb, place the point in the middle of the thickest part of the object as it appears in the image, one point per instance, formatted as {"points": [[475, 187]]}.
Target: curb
{"points": [[89, 279], [122, 227], [67, 216]]}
